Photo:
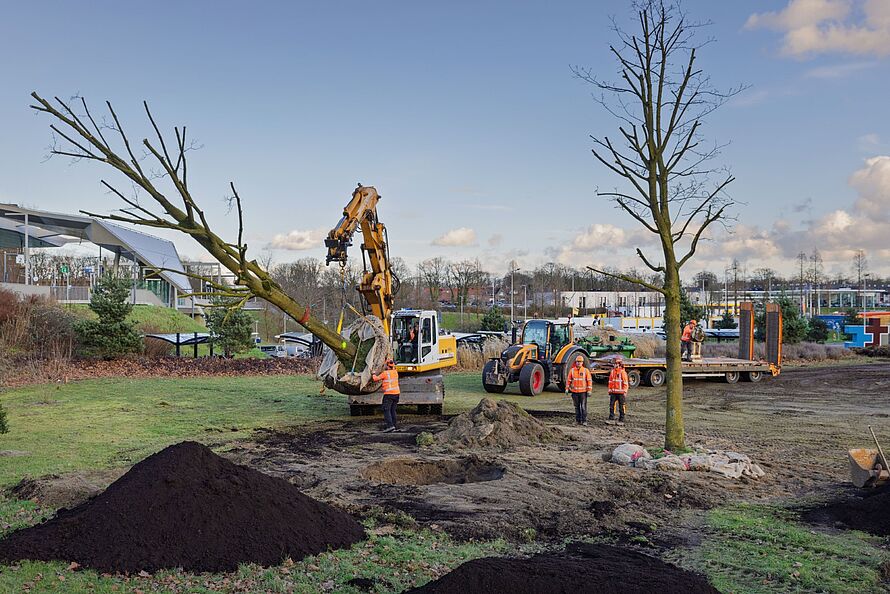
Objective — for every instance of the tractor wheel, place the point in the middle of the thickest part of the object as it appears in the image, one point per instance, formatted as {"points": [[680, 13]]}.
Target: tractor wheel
{"points": [[731, 377], [633, 378], [655, 378], [752, 376], [531, 379], [567, 364], [491, 388]]}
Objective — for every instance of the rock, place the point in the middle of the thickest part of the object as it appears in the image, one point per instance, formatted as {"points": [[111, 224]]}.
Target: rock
{"points": [[627, 454]]}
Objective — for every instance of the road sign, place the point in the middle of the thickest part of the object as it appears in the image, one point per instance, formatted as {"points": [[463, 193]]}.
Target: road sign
{"points": [[20, 259], [64, 269]]}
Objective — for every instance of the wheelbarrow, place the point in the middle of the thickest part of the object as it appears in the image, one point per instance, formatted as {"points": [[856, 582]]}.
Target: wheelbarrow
{"points": [[868, 466]]}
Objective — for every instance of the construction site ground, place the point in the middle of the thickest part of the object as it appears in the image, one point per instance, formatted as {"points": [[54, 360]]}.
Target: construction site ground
{"points": [[744, 535]]}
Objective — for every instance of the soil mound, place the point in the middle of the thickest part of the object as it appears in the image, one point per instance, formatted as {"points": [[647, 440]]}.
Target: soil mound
{"points": [[496, 423], [411, 471], [870, 513], [587, 568], [187, 507]]}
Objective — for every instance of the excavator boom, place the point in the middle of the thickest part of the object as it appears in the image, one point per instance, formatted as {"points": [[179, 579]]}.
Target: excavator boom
{"points": [[376, 285]]}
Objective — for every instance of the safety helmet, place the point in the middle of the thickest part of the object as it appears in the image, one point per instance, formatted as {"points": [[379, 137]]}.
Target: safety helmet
{"points": [[579, 359], [390, 363]]}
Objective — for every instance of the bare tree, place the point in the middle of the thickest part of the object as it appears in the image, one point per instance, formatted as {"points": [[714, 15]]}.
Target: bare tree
{"points": [[78, 135], [670, 185], [860, 266], [433, 273]]}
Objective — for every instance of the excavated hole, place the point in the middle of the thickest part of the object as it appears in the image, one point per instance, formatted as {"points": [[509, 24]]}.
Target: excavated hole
{"points": [[411, 471]]}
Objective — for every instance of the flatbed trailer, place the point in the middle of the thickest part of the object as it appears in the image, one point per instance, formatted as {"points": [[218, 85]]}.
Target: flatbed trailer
{"points": [[652, 372]]}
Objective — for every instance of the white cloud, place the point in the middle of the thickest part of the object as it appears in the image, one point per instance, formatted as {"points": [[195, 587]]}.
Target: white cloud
{"points": [[858, 27], [869, 142], [599, 236], [838, 70], [872, 182], [462, 236], [495, 240], [299, 240]]}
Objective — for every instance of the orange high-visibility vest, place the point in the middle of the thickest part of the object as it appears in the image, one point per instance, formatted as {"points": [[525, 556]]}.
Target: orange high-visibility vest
{"points": [[618, 381], [687, 333], [579, 380], [390, 379]]}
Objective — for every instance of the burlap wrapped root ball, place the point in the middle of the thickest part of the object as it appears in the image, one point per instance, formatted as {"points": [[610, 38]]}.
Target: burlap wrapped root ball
{"points": [[372, 350]]}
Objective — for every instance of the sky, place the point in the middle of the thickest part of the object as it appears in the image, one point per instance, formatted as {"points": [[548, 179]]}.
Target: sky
{"points": [[465, 116]]}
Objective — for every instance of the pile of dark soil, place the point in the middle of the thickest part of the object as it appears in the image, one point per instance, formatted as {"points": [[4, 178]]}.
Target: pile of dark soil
{"points": [[586, 568], [870, 513], [187, 507], [496, 423]]}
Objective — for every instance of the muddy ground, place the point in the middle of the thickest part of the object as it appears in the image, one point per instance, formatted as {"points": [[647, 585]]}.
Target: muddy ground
{"points": [[797, 427]]}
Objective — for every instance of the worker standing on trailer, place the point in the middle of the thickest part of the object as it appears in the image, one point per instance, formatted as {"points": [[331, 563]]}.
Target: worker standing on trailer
{"points": [[390, 378], [579, 383], [686, 341], [618, 385]]}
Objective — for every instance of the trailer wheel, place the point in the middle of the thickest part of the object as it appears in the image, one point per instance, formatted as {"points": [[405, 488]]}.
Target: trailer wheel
{"points": [[531, 379], [731, 377], [752, 376], [655, 378], [633, 378], [491, 388]]}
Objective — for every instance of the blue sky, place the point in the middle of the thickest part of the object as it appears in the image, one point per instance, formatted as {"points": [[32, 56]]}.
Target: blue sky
{"points": [[465, 116]]}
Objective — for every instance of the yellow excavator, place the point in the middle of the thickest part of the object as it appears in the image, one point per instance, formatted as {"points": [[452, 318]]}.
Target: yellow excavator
{"points": [[421, 348]]}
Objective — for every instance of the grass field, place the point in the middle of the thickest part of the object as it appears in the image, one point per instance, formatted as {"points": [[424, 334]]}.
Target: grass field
{"points": [[115, 422], [96, 424]]}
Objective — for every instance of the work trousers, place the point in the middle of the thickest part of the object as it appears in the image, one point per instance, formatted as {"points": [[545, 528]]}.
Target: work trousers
{"points": [[686, 350], [617, 404], [390, 401], [580, 400]]}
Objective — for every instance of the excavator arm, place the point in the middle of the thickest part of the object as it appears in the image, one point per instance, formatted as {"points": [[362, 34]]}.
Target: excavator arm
{"points": [[377, 281]]}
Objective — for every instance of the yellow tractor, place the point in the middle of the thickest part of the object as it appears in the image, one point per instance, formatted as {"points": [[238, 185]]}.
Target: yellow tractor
{"points": [[544, 355]]}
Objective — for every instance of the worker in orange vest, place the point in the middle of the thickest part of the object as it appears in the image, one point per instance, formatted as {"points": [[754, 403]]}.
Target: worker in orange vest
{"points": [[618, 385], [390, 378], [686, 341], [579, 383]]}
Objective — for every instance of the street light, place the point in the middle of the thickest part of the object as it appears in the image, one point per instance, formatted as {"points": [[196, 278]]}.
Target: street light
{"points": [[513, 271]]}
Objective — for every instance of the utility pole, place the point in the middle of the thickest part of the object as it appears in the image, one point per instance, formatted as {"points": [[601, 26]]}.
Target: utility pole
{"points": [[735, 288], [512, 290], [802, 257]]}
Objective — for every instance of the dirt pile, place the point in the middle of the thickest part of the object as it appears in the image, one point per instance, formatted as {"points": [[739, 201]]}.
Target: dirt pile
{"points": [[187, 507], [870, 513], [590, 568], [496, 423]]}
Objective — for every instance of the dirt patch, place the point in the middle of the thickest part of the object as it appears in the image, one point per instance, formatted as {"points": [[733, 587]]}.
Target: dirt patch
{"points": [[496, 423], [65, 490], [414, 471], [592, 568], [869, 512], [187, 507]]}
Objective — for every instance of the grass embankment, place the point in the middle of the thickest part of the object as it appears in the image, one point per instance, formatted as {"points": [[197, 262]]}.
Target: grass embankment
{"points": [[150, 318], [752, 549]]}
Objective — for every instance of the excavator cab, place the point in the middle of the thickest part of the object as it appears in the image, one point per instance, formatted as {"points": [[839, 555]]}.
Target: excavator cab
{"points": [[415, 339]]}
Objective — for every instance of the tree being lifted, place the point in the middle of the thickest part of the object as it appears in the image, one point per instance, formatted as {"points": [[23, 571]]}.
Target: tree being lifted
{"points": [[78, 135], [660, 100]]}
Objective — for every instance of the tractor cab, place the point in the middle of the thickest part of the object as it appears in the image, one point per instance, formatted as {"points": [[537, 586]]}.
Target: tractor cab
{"points": [[415, 338], [549, 337]]}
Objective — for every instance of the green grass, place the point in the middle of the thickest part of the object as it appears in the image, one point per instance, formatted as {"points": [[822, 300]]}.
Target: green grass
{"points": [[451, 320], [752, 549], [150, 318], [394, 560], [116, 422]]}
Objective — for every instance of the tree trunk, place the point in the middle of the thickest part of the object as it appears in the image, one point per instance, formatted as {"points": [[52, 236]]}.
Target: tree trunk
{"points": [[674, 433]]}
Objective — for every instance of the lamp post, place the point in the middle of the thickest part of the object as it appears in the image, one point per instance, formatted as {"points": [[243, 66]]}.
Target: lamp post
{"points": [[513, 271]]}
